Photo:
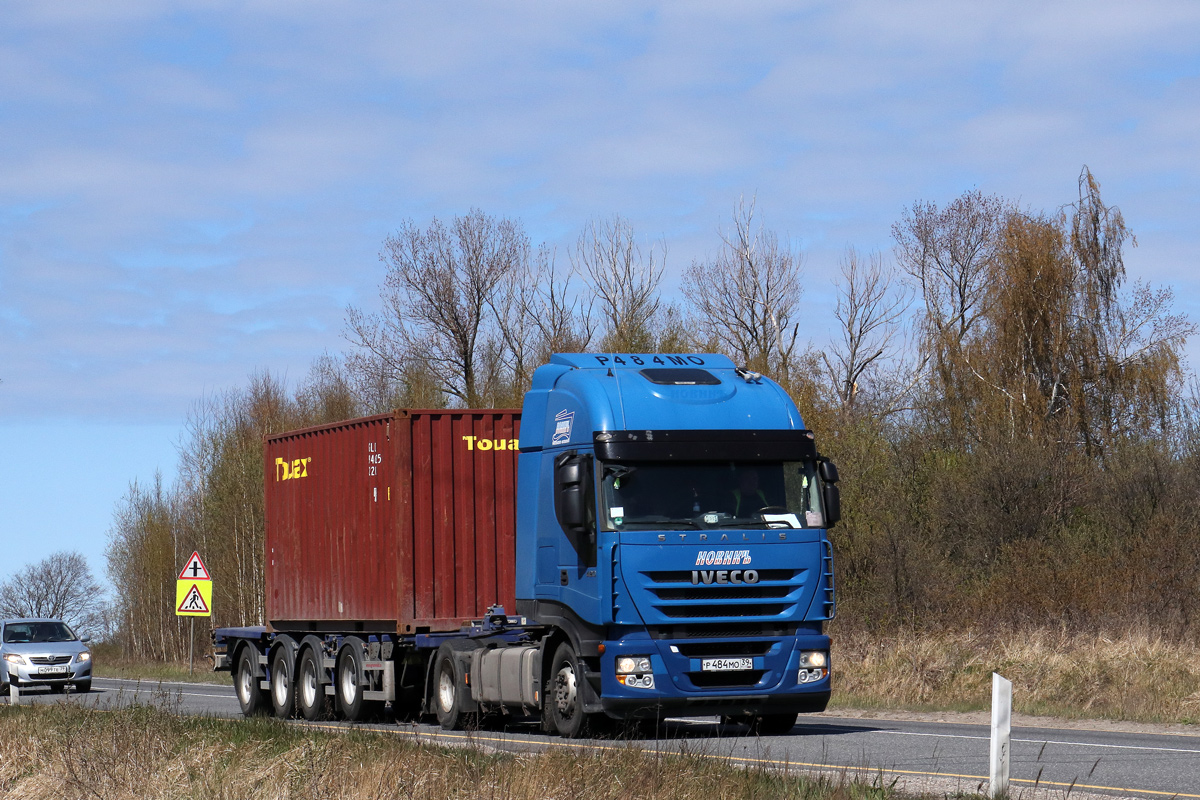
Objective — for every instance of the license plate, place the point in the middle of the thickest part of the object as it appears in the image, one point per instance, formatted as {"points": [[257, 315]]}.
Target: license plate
{"points": [[53, 670], [726, 664]]}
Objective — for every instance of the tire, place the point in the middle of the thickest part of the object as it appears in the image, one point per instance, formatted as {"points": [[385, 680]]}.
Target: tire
{"points": [[251, 698], [450, 693], [350, 681], [310, 692], [563, 695], [83, 687], [283, 683], [773, 724], [57, 688]]}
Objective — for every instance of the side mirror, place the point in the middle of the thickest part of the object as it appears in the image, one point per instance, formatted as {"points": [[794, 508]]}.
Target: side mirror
{"points": [[85, 638], [833, 504], [570, 490], [573, 503], [828, 470]]}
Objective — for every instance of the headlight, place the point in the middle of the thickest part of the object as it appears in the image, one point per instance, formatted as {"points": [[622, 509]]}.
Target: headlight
{"points": [[813, 666], [84, 656], [630, 664], [814, 658], [13, 658]]}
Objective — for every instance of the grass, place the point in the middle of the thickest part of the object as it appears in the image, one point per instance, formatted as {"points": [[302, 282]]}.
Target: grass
{"points": [[64, 751], [1136, 676], [110, 662]]}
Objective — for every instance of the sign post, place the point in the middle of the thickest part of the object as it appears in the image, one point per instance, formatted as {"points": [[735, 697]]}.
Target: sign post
{"points": [[193, 597], [1001, 732]]}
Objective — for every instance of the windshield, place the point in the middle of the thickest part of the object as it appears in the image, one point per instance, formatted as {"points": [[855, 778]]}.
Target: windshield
{"points": [[676, 495], [37, 632]]}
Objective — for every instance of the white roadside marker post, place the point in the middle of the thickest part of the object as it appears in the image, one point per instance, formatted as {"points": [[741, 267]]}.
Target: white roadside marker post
{"points": [[14, 695], [1001, 730]]}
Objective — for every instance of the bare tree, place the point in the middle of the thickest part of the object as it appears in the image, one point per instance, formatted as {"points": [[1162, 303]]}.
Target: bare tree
{"points": [[438, 297], [949, 252], [540, 313], [624, 282], [59, 586], [869, 314], [747, 298]]}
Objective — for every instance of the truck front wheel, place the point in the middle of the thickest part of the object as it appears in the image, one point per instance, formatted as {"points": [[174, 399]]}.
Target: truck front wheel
{"points": [[250, 697], [564, 693]]}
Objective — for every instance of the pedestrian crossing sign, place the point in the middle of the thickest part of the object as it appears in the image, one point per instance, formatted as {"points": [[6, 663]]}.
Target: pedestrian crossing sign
{"points": [[193, 598]]}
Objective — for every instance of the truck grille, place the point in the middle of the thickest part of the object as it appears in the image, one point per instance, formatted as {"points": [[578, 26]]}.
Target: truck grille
{"points": [[725, 680], [675, 596], [725, 649]]}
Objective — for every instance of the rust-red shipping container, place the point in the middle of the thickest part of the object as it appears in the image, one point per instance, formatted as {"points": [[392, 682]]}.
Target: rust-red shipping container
{"points": [[399, 522]]}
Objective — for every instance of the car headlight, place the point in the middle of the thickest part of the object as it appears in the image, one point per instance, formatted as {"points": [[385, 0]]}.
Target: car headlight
{"points": [[84, 656], [630, 664], [13, 658]]}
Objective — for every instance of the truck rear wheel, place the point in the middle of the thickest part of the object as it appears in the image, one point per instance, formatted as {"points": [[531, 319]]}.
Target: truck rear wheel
{"points": [[450, 691], [310, 692], [283, 687], [351, 682], [564, 693], [250, 697]]}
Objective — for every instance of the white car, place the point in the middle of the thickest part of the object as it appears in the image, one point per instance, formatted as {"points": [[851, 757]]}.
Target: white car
{"points": [[43, 652]]}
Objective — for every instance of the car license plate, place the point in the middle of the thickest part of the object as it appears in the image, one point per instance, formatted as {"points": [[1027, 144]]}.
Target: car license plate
{"points": [[726, 664], [63, 670]]}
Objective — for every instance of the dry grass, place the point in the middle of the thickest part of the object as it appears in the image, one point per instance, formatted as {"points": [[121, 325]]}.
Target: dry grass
{"points": [[1135, 676], [63, 751], [111, 662]]}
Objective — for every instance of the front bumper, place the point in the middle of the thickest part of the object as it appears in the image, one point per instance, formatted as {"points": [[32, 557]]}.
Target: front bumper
{"points": [[682, 687], [647, 707], [47, 675]]}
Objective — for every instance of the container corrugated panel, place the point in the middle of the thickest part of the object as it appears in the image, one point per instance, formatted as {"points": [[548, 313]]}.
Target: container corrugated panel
{"points": [[404, 521]]}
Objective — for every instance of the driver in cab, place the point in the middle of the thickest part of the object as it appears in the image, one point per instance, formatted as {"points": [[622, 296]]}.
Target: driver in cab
{"points": [[748, 495]]}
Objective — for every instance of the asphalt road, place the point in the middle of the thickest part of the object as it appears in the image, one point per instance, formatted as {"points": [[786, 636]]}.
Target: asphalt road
{"points": [[939, 756]]}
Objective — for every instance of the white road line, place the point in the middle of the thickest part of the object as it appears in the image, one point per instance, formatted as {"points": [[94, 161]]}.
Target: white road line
{"points": [[1040, 741]]}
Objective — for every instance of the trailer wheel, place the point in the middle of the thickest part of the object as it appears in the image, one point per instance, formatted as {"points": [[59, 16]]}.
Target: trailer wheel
{"points": [[352, 682], [250, 697], [564, 693], [773, 724], [450, 691], [283, 685], [310, 692]]}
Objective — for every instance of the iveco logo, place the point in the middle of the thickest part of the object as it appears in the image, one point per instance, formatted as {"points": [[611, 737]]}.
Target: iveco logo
{"points": [[724, 576]]}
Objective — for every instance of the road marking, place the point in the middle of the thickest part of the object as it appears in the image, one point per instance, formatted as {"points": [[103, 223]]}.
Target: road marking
{"points": [[1039, 741]]}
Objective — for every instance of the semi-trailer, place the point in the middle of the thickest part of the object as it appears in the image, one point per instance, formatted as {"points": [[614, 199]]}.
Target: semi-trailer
{"points": [[648, 536]]}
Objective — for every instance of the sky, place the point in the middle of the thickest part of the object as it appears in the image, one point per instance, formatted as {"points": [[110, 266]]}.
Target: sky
{"points": [[195, 191]]}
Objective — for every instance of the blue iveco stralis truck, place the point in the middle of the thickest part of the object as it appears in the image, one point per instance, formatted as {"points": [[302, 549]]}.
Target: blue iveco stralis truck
{"points": [[671, 559]]}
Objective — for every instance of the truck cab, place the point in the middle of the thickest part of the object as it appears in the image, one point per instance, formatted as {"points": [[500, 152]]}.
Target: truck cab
{"points": [[672, 526]]}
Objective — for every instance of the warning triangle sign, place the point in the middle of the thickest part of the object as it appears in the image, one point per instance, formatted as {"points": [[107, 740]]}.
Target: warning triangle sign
{"points": [[193, 602], [195, 570]]}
